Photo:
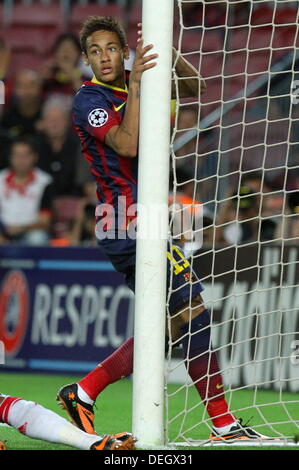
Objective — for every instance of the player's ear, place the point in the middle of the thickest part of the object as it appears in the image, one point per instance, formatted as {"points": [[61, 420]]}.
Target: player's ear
{"points": [[85, 58]]}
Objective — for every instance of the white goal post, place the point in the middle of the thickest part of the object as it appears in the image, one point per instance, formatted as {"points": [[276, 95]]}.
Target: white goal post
{"points": [[153, 171], [235, 154]]}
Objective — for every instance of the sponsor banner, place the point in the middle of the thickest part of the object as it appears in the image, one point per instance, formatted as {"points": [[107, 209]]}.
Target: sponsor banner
{"points": [[253, 295], [66, 309], [61, 309]]}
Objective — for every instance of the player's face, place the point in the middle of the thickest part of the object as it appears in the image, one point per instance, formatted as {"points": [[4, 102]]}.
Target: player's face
{"points": [[106, 57]]}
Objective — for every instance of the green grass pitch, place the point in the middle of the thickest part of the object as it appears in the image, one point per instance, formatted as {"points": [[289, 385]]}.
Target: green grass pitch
{"points": [[114, 409]]}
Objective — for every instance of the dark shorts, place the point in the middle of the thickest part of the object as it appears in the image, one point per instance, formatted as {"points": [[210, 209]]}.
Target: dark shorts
{"points": [[185, 285]]}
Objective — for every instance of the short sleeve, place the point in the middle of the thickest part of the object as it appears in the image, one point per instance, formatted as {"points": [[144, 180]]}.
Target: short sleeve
{"points": [[96, 117]]}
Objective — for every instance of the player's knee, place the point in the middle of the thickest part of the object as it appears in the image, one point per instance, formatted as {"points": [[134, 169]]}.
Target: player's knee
{"points": [[25, 408], [198, 306], [190, 311]]}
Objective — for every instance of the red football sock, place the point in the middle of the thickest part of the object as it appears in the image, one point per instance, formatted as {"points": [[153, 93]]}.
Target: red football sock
{"points": [[205, 373], [115, 367], [5, 407], [202, 365]]}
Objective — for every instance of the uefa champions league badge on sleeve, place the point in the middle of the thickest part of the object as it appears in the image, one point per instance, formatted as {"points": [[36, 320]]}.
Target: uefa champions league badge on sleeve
{"points": [[98, 117]]}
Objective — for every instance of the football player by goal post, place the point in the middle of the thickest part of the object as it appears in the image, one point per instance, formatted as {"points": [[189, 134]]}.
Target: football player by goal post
{"points": [[251, 286]]}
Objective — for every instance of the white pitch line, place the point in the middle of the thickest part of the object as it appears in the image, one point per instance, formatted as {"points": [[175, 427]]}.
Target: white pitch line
{"points": [[243, 443]]}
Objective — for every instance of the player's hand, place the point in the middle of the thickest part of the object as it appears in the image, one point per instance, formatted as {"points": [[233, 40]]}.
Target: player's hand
{"points": [[142, 61]]}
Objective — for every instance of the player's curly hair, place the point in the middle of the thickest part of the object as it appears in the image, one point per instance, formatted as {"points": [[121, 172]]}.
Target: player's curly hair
{"points": [[101, 23]]}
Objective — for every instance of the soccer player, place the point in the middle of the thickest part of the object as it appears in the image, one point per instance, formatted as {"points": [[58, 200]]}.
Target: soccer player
{"points": [[106, 118], [37, 422]]}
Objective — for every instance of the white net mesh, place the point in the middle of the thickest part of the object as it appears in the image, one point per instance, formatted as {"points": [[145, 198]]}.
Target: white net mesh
{"points": [[235, 151]]}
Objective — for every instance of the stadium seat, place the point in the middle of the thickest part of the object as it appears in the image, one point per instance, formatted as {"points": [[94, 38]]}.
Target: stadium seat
{"points": [[278, 16], [135, 14], [25, 60], [254, 62], [235, 63], [213, 92], [132, 37], [260, 38], [285, 36], [212, 41], [286, 16], [81, 12], [211, 64], [259, 61], [38, 15], [38, 40], [191, 41], [196, 41], [238, 39], [65, 211], [1, 15], [231, 87], [262, 15]]}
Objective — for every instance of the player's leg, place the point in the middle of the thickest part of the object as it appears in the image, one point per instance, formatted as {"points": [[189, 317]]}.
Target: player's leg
{"points": [[191, 326], [37, 422], [2, 444], [78, 398]]}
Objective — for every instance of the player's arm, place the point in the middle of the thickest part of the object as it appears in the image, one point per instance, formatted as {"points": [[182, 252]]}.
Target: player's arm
{"points": [[190, 83], [124, 138]]}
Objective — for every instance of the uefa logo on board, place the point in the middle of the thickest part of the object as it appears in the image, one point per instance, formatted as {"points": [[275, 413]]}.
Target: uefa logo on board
{"points": [[14, 308]]}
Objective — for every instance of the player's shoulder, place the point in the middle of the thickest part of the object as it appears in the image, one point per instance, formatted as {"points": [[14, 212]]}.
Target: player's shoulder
{"points": [[89, 94]]}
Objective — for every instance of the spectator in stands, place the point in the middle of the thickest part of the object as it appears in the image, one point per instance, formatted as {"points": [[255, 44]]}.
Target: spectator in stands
{"points": [[192, 221], [186, 155], [65, 71], [249, 214], [83, 230], [4, 59], [187, 120], [58, 147], [21, 117], [238, 221], [201, 167], [293, 220], [195, 14], [5, 56], [26, 195], [288, 228]]}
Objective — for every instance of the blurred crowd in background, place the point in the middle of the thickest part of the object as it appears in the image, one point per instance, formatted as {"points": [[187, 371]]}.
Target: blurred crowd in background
{"points": [[245, 182]]}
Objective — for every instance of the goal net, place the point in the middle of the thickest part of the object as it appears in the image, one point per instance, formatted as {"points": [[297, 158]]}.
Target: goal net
{"points": [[235, 168]]}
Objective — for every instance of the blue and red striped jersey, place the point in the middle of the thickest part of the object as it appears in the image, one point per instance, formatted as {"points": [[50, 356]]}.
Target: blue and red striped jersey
{"points": [[98, 107]]}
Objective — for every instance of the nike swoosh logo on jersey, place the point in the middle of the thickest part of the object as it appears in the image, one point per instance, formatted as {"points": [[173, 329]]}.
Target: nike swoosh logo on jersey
{"points": [[117, 108]]}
